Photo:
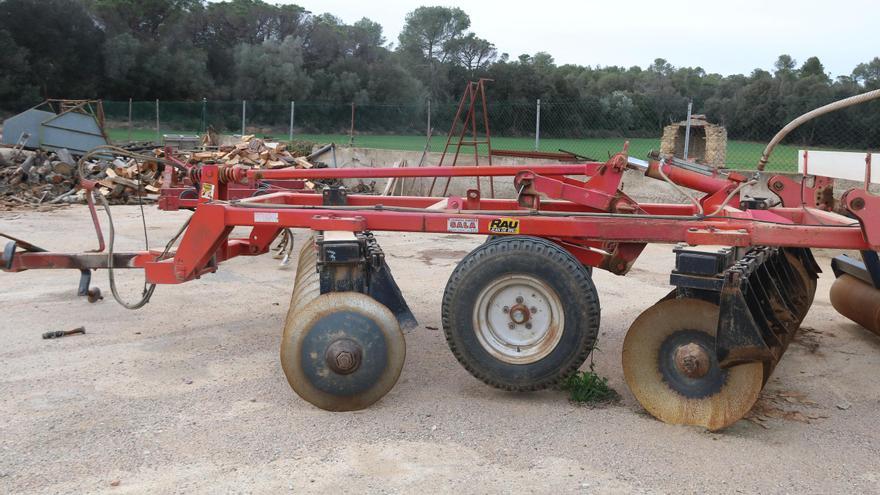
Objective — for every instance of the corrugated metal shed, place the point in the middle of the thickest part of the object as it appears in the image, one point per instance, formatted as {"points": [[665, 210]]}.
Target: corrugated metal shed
{"points": [[74, 127]]}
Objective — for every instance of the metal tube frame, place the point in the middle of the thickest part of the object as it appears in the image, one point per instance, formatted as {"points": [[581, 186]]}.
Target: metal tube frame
{"points": [[581, 207]]}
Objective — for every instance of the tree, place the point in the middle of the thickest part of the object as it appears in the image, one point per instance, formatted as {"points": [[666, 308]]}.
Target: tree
{"points": [[16, 89], [784, 65], [618, 108], [62, 42], [366, 37], [250, 21], [221, 26], [251, 49], [143, 19], [472, 53], [429, 32], [868, 73], [271, 71], [121, 66], [813, 67], [661, 67]]}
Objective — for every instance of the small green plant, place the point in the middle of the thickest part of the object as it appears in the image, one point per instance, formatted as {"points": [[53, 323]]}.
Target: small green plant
{"points": [[587, 387]]}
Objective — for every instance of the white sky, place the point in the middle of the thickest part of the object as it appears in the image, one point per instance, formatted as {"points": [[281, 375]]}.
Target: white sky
{"points": [[724, 36]]}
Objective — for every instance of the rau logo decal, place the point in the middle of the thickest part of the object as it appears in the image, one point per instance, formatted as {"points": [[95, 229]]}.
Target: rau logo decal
{"points": [[504, 226]]}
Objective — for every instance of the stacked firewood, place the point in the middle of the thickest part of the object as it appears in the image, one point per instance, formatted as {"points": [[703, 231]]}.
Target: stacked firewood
{"points": [[42, 178], [252, 152]]}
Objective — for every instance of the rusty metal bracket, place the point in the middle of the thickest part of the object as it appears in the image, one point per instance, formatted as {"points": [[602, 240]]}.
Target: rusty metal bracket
{"points": [[820, 194], [357, 264], [863, 205], [739, 338]]}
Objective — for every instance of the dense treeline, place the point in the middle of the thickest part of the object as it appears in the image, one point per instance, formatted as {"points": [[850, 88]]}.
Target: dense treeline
{"points": [[248, 49]]}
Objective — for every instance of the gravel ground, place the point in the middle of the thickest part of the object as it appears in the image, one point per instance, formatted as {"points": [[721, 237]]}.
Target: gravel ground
{"points": [[186, 395]]}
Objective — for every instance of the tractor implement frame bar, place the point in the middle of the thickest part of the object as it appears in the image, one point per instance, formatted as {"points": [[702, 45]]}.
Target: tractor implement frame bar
{"points": [[589, 168], [580, 206]]}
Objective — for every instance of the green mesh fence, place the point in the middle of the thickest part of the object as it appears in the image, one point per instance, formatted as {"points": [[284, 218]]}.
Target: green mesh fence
{"points": [[592, 127]]}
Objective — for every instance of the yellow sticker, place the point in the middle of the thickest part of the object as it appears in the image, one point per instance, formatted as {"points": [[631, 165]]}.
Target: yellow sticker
{"points": [[207, 190], [504, 226]]}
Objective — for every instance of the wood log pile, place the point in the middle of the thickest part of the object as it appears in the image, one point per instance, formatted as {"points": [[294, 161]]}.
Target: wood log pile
{"points": [[43, 179], [252, 152]]}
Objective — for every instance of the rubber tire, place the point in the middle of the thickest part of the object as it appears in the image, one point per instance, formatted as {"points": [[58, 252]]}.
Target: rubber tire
{"points": [[538, 258], [493, 238]]}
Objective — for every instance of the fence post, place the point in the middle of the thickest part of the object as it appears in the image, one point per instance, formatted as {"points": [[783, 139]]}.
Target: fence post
{"points": [[129, 120], [291, 121], [428, 128], [538, 125], [204, 127], [351, 130], [243, 116], [687, 130], [158, 135]]}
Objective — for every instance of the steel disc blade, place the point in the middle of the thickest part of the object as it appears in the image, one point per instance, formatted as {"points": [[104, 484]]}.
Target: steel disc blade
{"points": [[342, 351], [809, 283], [715, 400]]}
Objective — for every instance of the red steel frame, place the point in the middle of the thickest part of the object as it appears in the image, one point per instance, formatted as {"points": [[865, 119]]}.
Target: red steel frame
{"points": [[179, 192], [579, 206]]}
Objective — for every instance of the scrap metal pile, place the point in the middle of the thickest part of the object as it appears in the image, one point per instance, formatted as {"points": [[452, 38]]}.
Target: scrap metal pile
{"points": [[521, 312]]}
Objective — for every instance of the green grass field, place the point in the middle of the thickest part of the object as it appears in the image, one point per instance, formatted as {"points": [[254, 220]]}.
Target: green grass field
{"points": [[740, 154]]}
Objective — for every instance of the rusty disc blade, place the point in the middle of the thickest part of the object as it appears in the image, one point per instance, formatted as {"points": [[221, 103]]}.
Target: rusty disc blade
{"points": [[703, 395], [808, 281], [342, 351]]}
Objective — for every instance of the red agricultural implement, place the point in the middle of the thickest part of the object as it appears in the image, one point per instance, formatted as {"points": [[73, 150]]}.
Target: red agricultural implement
{"points": [[521, 312]]}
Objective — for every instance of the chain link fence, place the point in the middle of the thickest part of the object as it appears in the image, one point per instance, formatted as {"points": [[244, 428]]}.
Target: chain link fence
{"points": [[593, 128]]}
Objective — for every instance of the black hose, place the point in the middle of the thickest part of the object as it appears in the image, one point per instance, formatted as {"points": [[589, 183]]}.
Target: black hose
{"points": [[148, 288]]}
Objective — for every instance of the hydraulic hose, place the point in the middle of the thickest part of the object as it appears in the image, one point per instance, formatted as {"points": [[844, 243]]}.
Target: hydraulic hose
{"points": [[148, 288], [812, 114]]}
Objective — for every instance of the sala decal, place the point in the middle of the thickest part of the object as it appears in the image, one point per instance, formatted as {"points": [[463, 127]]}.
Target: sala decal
{"points": [[466, 225]]}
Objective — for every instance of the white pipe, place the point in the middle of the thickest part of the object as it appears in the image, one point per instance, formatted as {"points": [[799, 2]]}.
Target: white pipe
{"points": [[812, 114]]}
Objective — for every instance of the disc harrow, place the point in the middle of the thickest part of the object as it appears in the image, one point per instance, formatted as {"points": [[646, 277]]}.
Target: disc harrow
{"points": [[701, 355], [521, 311]]}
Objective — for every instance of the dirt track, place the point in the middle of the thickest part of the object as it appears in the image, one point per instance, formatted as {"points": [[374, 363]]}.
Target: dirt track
{"points": [[186, 395]]}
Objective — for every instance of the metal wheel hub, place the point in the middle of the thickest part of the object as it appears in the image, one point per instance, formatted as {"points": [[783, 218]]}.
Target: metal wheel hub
{"points": [[692, 360], [343, 356], [344, 353], [689, 366], [518, 319]]}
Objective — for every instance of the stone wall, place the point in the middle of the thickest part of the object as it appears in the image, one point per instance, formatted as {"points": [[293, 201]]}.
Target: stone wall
{"points": [[708, 143]]}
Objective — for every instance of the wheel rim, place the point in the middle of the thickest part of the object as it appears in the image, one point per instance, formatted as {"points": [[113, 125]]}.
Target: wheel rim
{"points": [[518, 319]]}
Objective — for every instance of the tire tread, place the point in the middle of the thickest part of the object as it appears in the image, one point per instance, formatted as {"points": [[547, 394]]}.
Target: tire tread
{"points": [[551, 252]]}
